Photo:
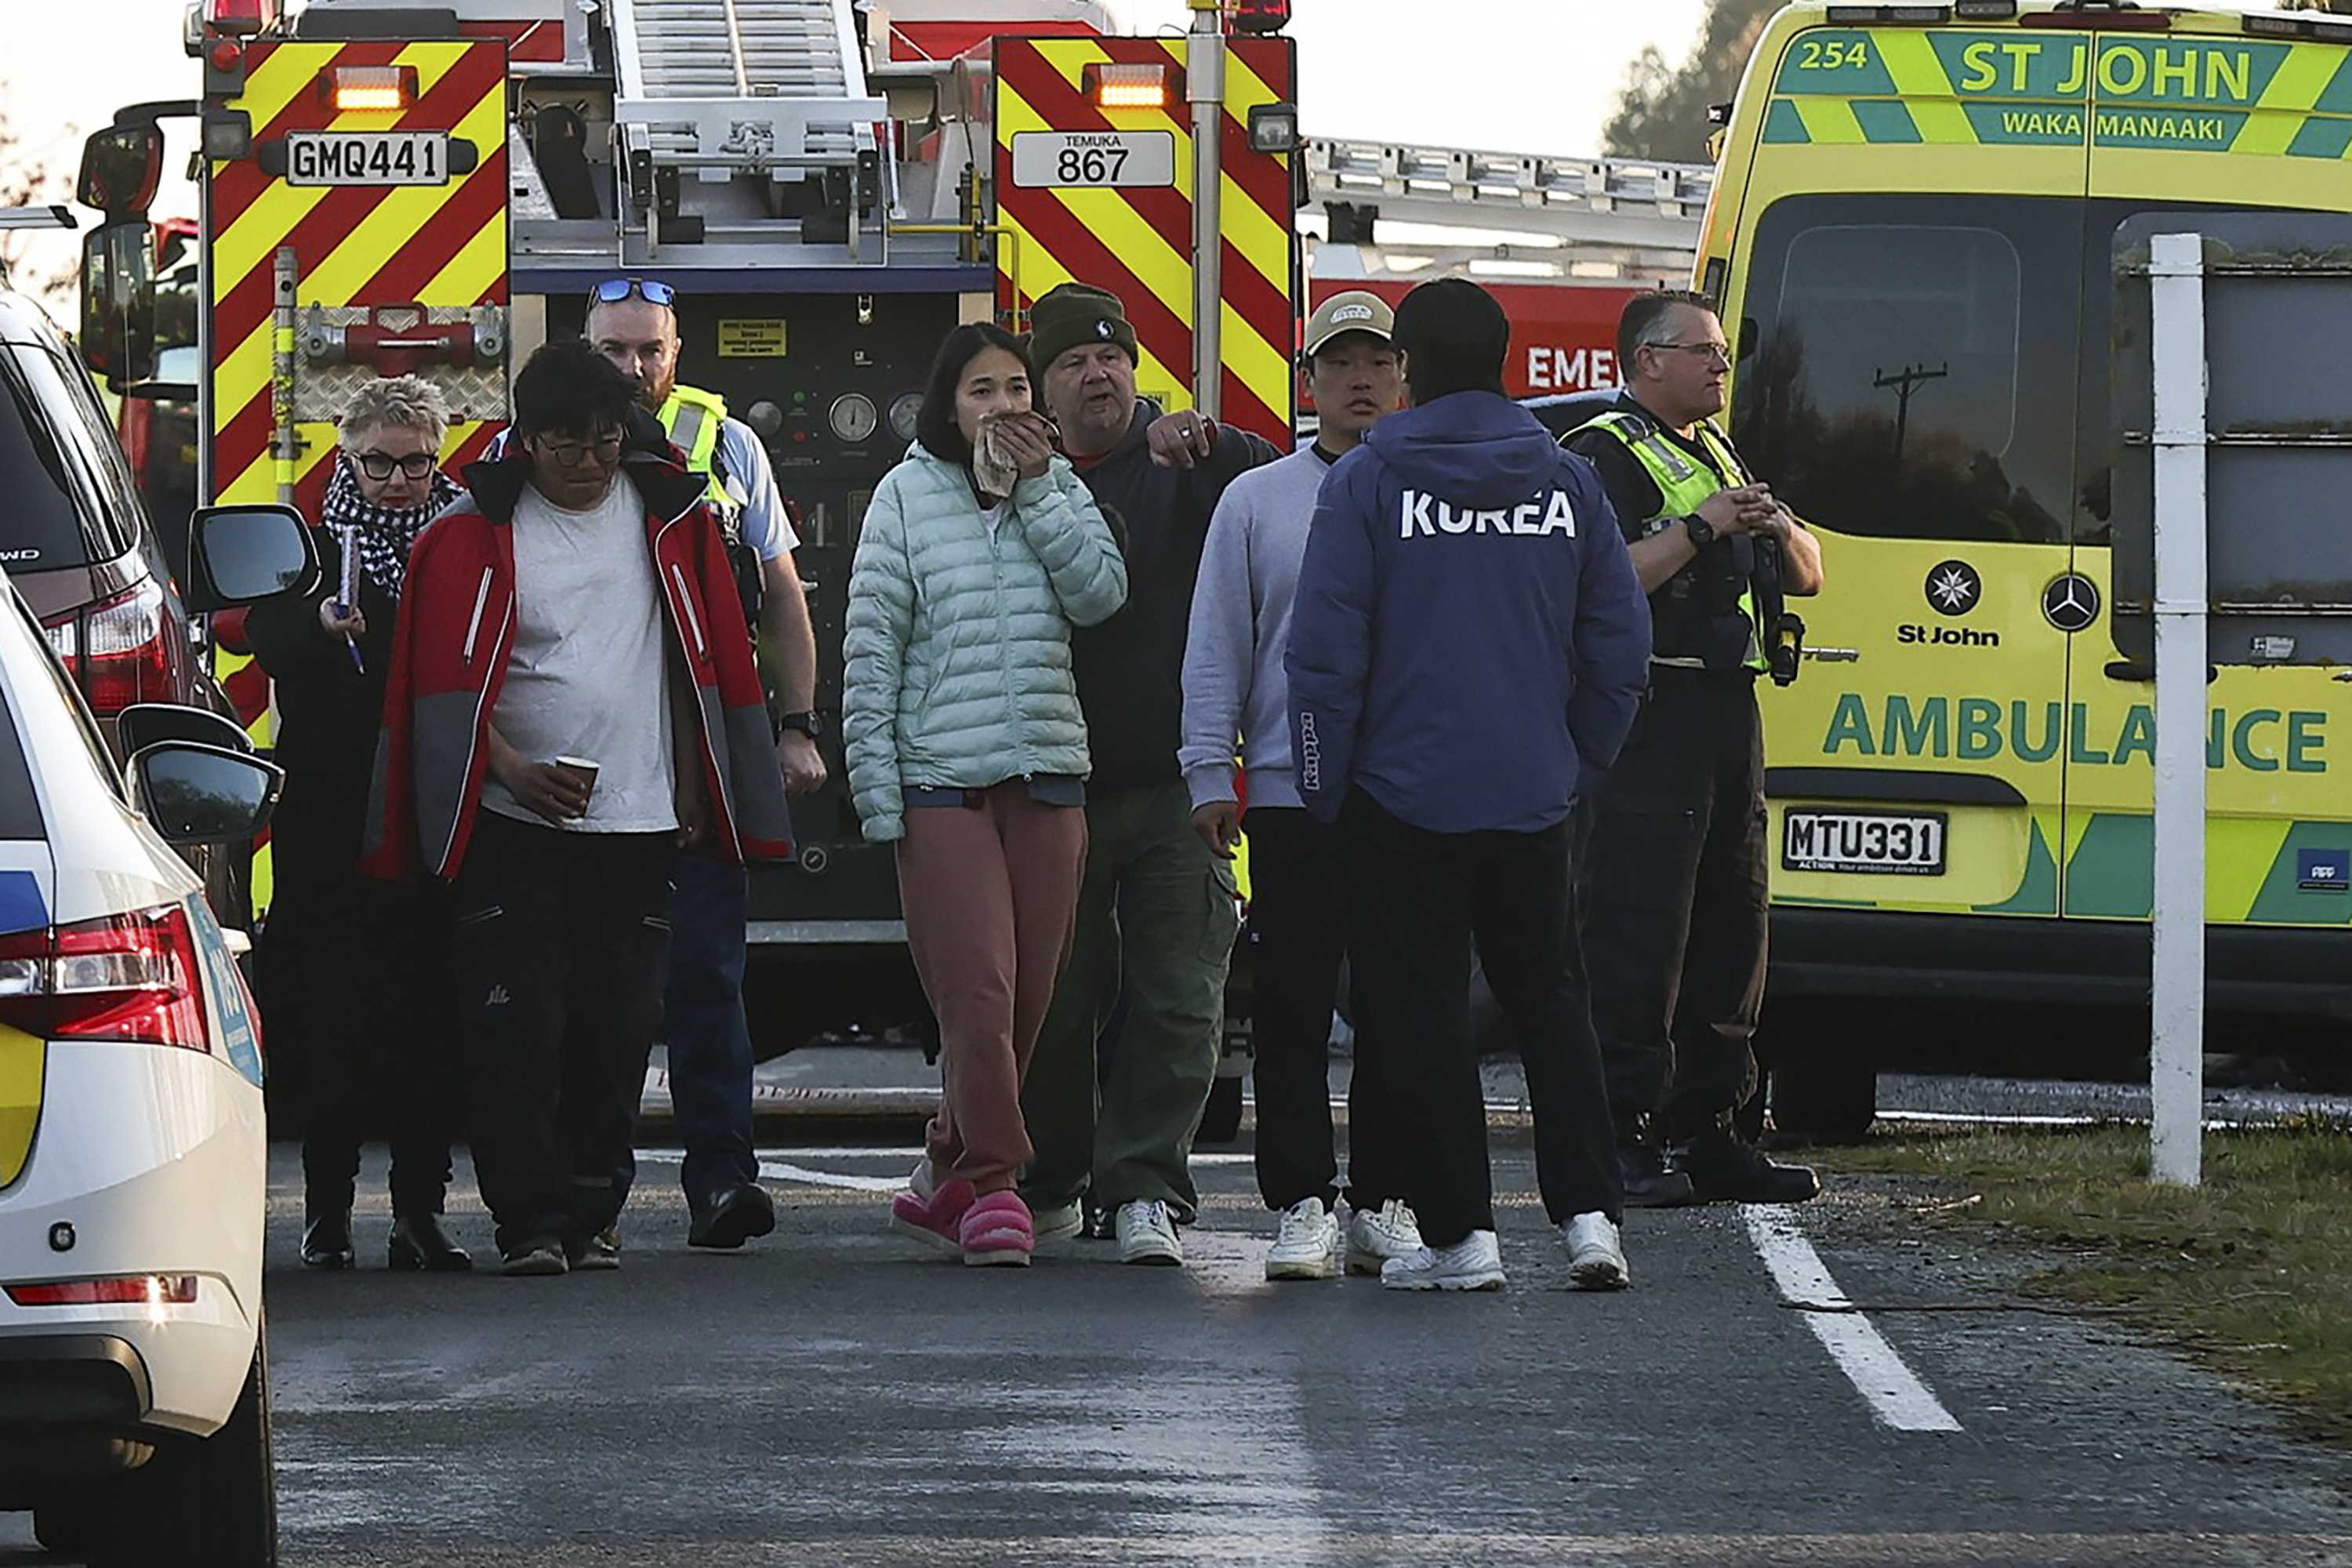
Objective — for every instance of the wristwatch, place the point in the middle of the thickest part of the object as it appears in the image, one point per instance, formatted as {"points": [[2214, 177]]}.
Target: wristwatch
{"points": [[1700, 531], [811, 723]]}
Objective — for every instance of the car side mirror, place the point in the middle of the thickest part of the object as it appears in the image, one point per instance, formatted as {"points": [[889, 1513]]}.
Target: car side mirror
{"points": [[238, 555], [121, 168], [196, 794], [145, 724], [117, 302]]}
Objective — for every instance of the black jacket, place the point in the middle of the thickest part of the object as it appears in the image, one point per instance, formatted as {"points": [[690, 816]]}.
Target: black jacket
{"points": [[1131, 668]]}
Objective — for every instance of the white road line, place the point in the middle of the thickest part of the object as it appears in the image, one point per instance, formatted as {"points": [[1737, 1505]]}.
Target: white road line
{"points": [[1894, 1393]]}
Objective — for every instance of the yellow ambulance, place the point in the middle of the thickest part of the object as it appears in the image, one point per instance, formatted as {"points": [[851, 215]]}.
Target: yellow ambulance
{"points": [[1915, 237]]}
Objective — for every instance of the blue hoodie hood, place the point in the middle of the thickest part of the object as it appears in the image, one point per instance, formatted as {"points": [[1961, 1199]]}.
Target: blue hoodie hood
{"points": [[1469, 447]]}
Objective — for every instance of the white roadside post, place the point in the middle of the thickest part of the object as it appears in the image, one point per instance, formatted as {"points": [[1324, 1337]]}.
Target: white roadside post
{"points": [[1204, 85], [2176, 1045]]}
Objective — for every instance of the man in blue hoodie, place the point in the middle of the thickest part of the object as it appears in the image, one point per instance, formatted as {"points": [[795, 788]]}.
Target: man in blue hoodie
{"points": [[1467, 649]]}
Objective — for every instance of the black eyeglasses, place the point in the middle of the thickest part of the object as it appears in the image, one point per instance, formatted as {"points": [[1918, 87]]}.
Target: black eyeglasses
{"points": [[571, 454], [612, 290], [380, 465]]}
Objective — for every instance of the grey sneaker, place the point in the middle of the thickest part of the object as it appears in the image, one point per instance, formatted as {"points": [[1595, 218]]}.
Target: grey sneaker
{"points": [[1307, 1245], [1146, 1233], [1596, 1258], [1375, 1235], [599, 1252], [1473, 1263], [534, 1255], [1060, 1222]]}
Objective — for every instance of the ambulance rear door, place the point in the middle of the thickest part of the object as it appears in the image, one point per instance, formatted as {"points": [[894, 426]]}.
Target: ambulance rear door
{"points": [[1906, 299], [2206, 129]]}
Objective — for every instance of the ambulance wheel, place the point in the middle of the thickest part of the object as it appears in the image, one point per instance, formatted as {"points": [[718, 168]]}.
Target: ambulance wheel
{"points": [[1221, 1122], [1823, 1094]]}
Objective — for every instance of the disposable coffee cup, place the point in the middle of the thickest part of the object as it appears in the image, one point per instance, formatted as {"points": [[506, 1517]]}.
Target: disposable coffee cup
{"points": [[584, 769]]}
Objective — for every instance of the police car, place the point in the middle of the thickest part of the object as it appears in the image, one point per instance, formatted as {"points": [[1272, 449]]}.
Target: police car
{"points": [[134, 1402]]}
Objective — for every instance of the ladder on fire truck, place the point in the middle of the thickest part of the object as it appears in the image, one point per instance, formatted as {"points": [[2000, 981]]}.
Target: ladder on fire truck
{"points": [[737, 117], [1566, 218]]}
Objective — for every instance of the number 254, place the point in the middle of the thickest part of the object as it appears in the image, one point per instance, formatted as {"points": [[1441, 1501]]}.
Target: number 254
{"points": [[1833, 54]]}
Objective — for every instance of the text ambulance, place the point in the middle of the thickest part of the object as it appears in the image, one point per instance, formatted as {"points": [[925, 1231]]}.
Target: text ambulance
{"points": [[1914, 240]]}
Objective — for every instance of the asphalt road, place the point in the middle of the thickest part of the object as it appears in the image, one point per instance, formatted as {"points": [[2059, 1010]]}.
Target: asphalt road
{"points": [[835, 1395]]}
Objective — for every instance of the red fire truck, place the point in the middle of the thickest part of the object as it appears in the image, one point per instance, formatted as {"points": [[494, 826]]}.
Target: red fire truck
{"points": [[433, 185]]}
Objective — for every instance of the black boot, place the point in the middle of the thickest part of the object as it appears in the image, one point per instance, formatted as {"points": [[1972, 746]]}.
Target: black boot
{"points": [[1652, 1181], [418, 1241], [327, 1240], [1724, 1167]]}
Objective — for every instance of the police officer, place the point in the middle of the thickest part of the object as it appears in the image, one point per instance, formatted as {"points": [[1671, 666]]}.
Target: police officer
{"points": [[1674, 901], [633, 322], [1467, 644]]}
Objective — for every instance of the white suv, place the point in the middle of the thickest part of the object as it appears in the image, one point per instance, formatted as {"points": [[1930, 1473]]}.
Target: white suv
{"points": [[134, 1401]]}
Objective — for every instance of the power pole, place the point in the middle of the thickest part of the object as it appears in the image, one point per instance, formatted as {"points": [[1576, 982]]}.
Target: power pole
{"points": [[1905, 381]]}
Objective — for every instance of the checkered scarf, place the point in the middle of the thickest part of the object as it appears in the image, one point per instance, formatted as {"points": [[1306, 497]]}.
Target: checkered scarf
{"points": [[383, 536]]}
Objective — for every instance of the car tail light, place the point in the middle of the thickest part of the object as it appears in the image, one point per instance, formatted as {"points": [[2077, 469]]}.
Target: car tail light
{"points": [[119, 651], [130, 977], [137, 1290]]}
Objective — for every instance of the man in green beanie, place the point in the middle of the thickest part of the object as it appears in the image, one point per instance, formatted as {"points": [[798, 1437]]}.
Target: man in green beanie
{"points": [[1157, 915]]}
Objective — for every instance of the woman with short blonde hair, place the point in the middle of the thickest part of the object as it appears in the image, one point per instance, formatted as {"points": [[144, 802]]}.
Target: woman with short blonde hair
{"points": [[346, 963]]}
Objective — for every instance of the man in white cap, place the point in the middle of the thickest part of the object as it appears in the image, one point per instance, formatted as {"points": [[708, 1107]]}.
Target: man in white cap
{"points": [[1234, 686]]}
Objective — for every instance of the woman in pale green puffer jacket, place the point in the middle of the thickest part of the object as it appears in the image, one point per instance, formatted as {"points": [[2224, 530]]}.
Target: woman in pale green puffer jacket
{"points": [[967, 748]]}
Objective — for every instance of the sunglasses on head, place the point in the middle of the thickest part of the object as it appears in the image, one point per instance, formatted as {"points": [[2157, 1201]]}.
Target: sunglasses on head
{"points": [[612, 290]]}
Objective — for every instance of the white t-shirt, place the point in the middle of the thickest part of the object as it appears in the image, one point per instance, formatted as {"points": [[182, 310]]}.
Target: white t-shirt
{"points": [[590, 675]]}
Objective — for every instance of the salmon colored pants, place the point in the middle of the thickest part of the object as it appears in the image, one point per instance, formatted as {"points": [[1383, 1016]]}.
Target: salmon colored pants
{"points": [[991, 895]]}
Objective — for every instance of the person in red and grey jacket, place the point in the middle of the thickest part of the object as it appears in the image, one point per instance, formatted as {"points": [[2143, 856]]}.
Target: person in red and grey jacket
{"points": [[571, 701]]}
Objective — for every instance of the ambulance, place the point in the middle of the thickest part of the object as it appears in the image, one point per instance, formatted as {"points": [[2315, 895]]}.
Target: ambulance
{"points": [[1924, 218]]}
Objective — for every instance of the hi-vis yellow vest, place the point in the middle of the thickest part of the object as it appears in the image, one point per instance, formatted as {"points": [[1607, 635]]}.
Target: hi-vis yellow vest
{"points": [[692, 417], [1685, 484]]}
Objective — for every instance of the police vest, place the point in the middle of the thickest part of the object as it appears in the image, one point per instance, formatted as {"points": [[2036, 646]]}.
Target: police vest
{"points": [[1685, 485], [693, 419]]}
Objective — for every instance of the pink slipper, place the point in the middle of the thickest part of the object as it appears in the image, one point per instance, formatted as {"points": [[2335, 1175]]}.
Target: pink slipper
{"points": [[997, 1230], [932, 1219]]}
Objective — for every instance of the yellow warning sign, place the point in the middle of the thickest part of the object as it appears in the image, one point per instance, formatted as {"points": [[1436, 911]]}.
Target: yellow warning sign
{"points": [[750, 340]]}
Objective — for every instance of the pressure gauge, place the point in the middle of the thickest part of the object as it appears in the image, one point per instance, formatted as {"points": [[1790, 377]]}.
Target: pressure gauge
{"points": [[852, 418], [905, 409]]}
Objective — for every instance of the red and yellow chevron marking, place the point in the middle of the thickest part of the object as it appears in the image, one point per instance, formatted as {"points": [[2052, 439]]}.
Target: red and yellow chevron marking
{"points": [[428, 245], [431, 245], [1136, 242]]}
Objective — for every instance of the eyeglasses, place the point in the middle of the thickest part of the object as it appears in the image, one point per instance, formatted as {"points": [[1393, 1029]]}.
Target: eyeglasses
{"points": [[572, 454], [612, 290], [1712, 351], [380, 465]]}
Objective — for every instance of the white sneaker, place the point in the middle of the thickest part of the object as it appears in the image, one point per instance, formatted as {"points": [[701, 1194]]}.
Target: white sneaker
{"points": [[1596, 1260], [1146, 1233], [1060, 1222], [1473, 1263], [1307, 1244], [1375, 1235]]}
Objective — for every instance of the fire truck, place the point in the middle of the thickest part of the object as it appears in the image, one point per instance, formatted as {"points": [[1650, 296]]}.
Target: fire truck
{"points": [[388, 187], [1562, 242]]}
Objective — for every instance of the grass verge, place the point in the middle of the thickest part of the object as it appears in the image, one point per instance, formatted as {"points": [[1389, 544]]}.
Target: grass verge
{"points": [[2250, 1273]]}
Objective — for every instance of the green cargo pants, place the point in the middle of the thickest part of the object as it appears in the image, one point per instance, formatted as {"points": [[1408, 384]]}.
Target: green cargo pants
{"points": [[1156, 924]]}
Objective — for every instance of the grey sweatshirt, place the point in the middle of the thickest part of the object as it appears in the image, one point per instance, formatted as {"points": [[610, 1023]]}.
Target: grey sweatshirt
{"points": [[1234, 684]]}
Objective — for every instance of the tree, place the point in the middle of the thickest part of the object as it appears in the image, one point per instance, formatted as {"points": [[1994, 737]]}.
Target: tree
{"points": [[33, 259], [1662, 112]]}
